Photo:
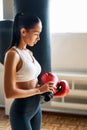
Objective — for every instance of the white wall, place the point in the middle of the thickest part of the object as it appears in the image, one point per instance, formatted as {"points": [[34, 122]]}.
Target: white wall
{"points": [[8, 9], [69, 52]]}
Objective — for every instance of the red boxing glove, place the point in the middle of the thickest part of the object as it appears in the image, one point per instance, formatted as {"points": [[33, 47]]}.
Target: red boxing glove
{"points": [[46, 77], [62, 89]]}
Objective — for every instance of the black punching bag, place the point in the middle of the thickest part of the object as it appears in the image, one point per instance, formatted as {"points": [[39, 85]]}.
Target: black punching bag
{"points": [[5, 37], [40, 8]]}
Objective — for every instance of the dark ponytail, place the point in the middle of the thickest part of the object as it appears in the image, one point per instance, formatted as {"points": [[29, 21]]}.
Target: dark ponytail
{"points": [[22, 20], [16, 30]]}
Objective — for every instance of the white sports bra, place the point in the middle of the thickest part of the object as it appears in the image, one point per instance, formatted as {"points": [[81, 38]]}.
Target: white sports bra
{"points": [[30, 69]]}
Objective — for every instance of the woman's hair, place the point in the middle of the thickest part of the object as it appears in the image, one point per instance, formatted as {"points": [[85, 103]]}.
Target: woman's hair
{"points": [[22, 20]]}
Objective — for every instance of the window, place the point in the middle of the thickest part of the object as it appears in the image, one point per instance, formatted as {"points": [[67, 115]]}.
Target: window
{"points": [[68, 16], [1, 9]]}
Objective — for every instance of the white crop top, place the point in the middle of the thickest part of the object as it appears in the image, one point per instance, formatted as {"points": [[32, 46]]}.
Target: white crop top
{"points": [[30, 69]]}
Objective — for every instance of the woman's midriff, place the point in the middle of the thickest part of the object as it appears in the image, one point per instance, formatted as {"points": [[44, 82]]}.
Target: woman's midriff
{"points": [[28, 85]]}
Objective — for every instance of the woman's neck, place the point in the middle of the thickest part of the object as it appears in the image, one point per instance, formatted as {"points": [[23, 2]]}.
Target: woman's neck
{"points": [[22, 45]]}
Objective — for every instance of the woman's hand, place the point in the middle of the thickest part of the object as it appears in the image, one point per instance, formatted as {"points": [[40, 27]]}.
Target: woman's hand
{"points": [[47, 87]]}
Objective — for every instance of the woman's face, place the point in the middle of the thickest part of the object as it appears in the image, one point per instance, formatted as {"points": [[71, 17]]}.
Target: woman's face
{"points": [[33, 35]]}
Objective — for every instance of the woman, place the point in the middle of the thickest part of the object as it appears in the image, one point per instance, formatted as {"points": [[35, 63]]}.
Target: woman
{"points": [[21, 72]]}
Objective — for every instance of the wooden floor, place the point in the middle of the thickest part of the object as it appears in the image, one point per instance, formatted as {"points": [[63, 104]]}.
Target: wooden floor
{"points": [[52, 121]]}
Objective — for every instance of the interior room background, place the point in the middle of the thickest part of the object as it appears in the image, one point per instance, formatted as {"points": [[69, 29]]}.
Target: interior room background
{"points": [[68, 33]]}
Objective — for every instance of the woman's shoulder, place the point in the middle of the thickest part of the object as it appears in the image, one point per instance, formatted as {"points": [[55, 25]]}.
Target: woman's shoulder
{"points": [[11, 54]]}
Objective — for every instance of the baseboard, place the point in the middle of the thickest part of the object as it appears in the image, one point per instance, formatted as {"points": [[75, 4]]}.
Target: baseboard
{"points": [[2, 106]]}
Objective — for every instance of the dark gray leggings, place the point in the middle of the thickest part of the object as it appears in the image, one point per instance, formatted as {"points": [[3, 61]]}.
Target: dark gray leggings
{"points": [[25, 114]]}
